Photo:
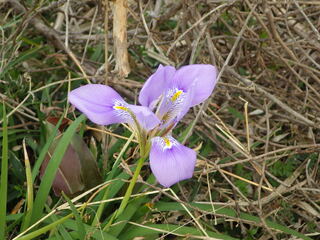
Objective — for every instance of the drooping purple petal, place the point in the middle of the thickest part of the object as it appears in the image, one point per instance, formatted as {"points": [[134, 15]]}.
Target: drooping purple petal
{"points": [[97, 102], [156, 85], [202, 78], [146, 118], [170, 161]]}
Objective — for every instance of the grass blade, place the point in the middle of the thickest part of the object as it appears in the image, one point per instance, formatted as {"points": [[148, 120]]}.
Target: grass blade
{"points": [[93, 232], [44, 151], [81, 230], [172, 206], [4, 175], [29, 197], [23, 57], [122, 220], [52, 167], [61, 230], [142, 230], [45, 229], [111, 176]]}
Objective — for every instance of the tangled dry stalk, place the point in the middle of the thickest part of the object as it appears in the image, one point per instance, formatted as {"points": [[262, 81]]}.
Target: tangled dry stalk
{"points": [[264, 111]]}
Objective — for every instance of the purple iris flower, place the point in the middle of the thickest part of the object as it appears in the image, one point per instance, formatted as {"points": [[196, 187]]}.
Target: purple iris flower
{"points": [[166, 97]]}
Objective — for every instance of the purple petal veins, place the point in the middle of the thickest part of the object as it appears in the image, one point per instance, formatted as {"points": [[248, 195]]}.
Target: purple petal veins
{"points": [[170, 161]]}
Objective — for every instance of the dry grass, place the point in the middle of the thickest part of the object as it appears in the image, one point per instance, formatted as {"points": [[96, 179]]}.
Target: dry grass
{"points": [[263, 119]]}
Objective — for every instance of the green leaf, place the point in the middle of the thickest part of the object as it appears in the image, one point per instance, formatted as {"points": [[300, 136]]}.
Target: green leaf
{"points": [[45, 150], [111, 176], [93, 232], [172, 206], [45, 229], [185, 133], [89, 168], [53, 165], [29, 193], [235, 113], [151, 229], [22, 57], [118, 226], [78, 169], [68, 176], [4, 175], [263, 35], [61, 229], [81, 230]]}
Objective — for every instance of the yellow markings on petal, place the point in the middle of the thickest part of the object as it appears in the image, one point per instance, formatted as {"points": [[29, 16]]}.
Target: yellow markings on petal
{"points": [[167, 142], [176, 95], [121, 108]]}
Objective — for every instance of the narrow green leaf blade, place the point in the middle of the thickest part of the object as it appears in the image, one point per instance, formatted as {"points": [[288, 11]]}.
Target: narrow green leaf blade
{"points": [[81, 230], [172, 206], [44, 229], [151, 229], [23, 57], [61, 229], [122, 220], [29, 194], [4, 175], [45, 150], [53, 165], [111, 176]]}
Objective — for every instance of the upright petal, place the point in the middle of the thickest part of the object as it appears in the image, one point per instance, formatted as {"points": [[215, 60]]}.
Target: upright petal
{"points": [[100, 103], [156, 85], [170, 161], [202, 78], [146, 118]]}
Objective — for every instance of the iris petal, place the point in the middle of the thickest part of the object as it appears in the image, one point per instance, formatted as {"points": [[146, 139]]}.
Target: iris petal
{"points": [[97, 102], [189, 86], [155, 86], [146, 118], [170, 161], [174, 105], [201, 78]]}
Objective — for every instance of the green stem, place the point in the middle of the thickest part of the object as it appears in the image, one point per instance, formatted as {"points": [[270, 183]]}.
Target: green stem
{"points": [[131, 186], [96, 219], [113, 171], [128, 193]]}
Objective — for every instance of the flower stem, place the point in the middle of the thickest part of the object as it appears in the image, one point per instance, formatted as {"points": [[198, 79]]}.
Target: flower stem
{"points": [[128, 193], [131, 186]]}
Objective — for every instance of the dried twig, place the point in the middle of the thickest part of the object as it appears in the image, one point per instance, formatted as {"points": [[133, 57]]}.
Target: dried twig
{"points": [[120, 37]]}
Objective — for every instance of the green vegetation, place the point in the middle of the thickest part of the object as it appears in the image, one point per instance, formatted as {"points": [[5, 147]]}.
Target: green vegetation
{"points": [[266, 190]]}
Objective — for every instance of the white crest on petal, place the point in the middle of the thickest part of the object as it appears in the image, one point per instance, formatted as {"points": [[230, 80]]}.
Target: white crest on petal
{"points": [[165, 143], [122, 110], [172, 104]]}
